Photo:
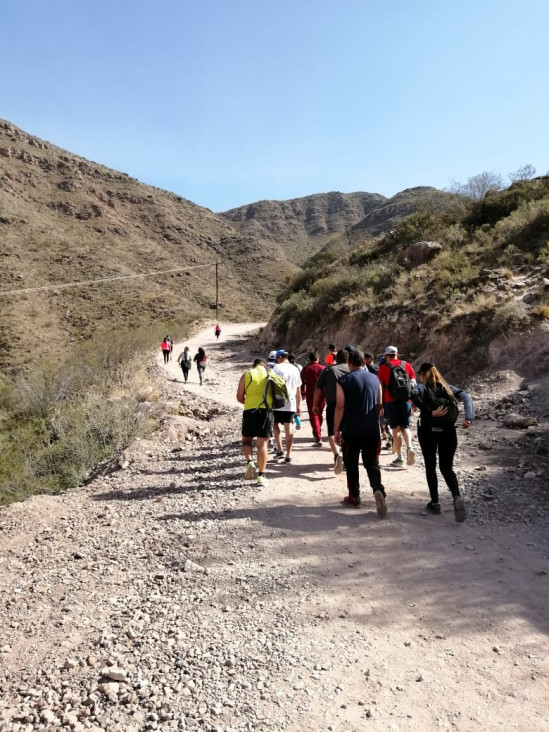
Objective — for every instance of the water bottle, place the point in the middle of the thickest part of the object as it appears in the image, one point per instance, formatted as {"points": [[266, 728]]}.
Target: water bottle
{"points": [[297, 419]]}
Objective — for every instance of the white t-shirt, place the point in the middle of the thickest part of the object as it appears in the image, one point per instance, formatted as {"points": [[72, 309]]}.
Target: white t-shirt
{"points": [[292, 377]]}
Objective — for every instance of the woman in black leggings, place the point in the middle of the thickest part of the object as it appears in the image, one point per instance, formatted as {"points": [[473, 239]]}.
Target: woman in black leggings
{"points": [[437, 402]]}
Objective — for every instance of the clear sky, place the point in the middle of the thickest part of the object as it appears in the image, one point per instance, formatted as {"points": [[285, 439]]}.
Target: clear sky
{"points": [[227, 102]]}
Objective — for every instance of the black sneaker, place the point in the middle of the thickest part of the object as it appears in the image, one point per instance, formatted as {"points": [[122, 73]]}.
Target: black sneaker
{"points": [[433, 508], [287, 459], [459, 508], [278, 454]]}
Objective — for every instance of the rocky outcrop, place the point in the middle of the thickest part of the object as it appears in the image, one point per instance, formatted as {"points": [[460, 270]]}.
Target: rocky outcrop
{"points": [[418, 253]]}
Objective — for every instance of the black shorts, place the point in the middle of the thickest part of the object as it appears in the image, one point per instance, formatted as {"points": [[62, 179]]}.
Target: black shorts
{"points": [[398, 414], [257, 423], [330, 414], [283, 417]]}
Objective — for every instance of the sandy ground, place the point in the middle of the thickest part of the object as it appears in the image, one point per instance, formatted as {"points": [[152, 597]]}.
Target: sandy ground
{"points": [[447, 622], [409, 623]]}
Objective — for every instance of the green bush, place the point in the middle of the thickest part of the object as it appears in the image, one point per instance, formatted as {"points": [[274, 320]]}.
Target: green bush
{"points": [[509, 318]]}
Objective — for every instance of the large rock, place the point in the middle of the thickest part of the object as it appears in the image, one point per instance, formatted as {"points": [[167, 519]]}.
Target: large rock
{"points": [[418, 253], [518, 421]]}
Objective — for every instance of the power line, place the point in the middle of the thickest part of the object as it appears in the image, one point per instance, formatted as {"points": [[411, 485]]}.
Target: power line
{"points": [[105, 279]]}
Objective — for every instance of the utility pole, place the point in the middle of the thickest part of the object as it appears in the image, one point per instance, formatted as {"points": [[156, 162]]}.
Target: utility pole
{"points": [[217, 291]]}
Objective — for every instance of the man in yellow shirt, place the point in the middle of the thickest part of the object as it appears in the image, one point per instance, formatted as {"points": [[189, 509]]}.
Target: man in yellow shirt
{"points": [[257, 419]]}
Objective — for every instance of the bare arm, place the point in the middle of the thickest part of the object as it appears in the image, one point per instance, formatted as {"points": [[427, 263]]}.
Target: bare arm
{"points": [[338, 415], [241, 391]]}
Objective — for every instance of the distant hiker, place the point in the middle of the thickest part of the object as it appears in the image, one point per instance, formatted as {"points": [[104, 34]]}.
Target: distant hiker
{"points": [[309, 378], [217, 331], [331, 356], [291, 359], [257, 419], [200, 360], [397, 378], [436, 431], [356, 426], [185, 362], [326, 389], [285, 416], [166, 348], [170, 341]]}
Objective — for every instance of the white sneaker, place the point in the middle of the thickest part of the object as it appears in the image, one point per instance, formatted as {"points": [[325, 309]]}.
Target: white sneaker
{"points": [[250, 470], [338, 464], [410, 456]]}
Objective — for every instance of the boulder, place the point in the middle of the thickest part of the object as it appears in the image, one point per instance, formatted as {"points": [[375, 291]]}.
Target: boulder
{"points": [[418, 253], [518, 421]]}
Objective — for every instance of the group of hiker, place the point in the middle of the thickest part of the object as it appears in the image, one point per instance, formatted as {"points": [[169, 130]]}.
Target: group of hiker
{"points": [[360, 400]]}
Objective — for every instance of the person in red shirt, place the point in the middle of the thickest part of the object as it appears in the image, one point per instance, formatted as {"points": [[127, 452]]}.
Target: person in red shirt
{"points": [[397, 412], [309, 377], [330, 358]]}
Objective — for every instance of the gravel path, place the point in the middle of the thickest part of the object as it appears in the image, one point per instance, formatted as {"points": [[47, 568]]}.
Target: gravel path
{"points": [[171, 594]]}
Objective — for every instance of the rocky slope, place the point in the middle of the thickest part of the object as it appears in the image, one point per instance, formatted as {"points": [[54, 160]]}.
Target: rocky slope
{"points": [[65, 219], [301, 226]]}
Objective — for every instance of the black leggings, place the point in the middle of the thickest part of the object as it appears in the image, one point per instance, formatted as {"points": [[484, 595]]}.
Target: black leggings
{"points": [[166, 355], [446, 444]]}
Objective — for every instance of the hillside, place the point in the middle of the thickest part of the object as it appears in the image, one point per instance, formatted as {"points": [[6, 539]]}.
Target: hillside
{"points": [[65, 219], [470, 297], [301, 226]]}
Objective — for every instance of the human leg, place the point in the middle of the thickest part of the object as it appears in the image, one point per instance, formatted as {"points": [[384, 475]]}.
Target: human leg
{"points": [[288, 437], [276, 433], [262, 455], [428, 444], [447, 445], [351, 454], [370, 448]]}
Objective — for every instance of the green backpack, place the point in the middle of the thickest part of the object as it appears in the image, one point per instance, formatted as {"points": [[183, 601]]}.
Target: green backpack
{"points": [[277, 389]]}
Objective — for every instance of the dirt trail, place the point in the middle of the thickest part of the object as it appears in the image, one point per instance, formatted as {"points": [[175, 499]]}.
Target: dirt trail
{"points": [[410, 623], [454, 618]]}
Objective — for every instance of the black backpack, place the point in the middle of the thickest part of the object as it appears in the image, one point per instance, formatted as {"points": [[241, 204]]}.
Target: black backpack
{"points": [[400, 385], [440, 398]]}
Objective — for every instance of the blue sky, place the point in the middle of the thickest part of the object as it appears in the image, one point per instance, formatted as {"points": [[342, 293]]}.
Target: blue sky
{"points": [[227, 102]]}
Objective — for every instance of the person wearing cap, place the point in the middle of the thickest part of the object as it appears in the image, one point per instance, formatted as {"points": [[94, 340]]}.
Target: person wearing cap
{"points": [[398, 412], [285, 415], [271, 361], [356, 425], [437, 433]]}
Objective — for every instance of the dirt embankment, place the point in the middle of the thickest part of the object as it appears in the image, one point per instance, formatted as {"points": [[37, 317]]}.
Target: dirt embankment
{"points": [[172, 594]]}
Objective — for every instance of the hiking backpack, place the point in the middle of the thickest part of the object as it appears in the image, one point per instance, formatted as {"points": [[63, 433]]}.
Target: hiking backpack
{"points": [[276, 387], [440, 398], [399, 385]]}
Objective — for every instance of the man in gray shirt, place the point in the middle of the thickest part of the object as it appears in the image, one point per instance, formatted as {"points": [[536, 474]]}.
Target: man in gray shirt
{"points": [[326, 386]]}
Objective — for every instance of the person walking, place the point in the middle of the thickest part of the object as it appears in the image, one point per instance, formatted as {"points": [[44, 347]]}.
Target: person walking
{"points": [[200, 359], [166, 348], [325, 389], [398, 407], [356, 427], [257, 419], [217, 331], [285, 415], [185, 362], [309, 377], [331, 355], [436, 431]]}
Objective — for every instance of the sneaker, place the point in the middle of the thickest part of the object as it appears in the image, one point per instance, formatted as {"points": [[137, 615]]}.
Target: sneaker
{"points": [[318, 443], [398, 463], [261, 480], [338, 464], [278, 454], [250, 470], [350, 501], [389, 445], [433, 508], [287, 459], [459, 508], [381, 505], [410, 456]]}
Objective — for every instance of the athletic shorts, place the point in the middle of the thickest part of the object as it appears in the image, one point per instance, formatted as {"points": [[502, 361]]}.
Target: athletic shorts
{"points": [[257, 423], [398, 414], [283, 417], [330, 414]]}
